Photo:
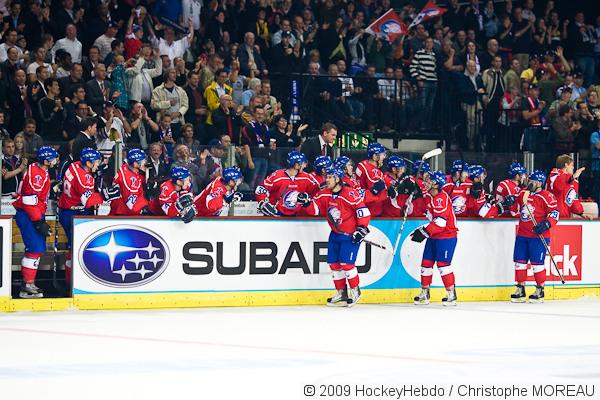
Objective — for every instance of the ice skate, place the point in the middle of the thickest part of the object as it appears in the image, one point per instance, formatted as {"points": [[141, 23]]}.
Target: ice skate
{"points": [[339, 299], [30, 291], [354, 296], [519, 295], [450, 300], [538, 295], [422, 298]]}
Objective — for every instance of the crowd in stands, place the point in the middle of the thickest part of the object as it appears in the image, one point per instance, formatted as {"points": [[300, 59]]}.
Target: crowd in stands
{"points": [[188, 80]]}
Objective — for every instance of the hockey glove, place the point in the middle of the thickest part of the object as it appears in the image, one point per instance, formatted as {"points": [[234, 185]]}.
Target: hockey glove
{"points": [[406, 186], [188, 214], [234, 197], [359, 234], [508, 201], [476, 189], [42, 228], [417, 192], [392, 192], [500, 208], [419, 235], [323, 185], [378, 187], [542, 227], [111, 193], [56, 190], [304, 199], [183, 202], [267, 209]]}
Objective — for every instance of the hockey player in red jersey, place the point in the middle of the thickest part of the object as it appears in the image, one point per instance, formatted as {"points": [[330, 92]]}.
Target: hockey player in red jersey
{"points": [[563, 183], [278, 194], [31, 204], [399, 187], [221, 191], [457, 187], [347, 166], [175, 199], [512, 186], [528, 245], [371, 179], [441, 240], [79, 196], [348, 219], [422, 170], [479, 203], [131, 180], [320, 166]]}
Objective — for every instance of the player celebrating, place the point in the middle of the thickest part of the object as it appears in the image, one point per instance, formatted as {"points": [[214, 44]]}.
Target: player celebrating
{"points": [[371, 180], [219, 192], [131, 180], [347, 166], [457, 187], [563, 183], [421, 170], [174, 199], [441, 240], [31, 205], [280, 192], [528, 243], [79, 197], [511, 187], [320, 166], [399, 188], [348, 219]]}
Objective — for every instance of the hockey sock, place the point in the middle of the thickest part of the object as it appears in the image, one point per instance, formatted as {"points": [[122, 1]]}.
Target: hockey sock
{"points": [[29, 266], [351, 275], [520, 272], [447, 275], [339, 276], [68, 267], [426, 273], [539, 272]]}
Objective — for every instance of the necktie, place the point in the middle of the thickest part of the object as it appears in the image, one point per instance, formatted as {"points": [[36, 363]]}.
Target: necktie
{"points": [[324, 150], [102, 89]]}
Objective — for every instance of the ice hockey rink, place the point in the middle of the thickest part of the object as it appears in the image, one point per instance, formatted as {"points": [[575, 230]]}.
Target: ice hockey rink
{"points": [[281, 352]]}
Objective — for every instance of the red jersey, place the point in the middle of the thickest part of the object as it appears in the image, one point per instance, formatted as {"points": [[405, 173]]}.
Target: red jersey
{"points": [[542, 205], [352, 182], [368, 175], [164, 204], [320, 180], [459, 194], [480, 208], [210, 202], [563, 187], [131, 186], [78, 189], [281, 189], [394, 207], [33, 192], [441, 214], [419, 204], [505, 188], [345, 209]]}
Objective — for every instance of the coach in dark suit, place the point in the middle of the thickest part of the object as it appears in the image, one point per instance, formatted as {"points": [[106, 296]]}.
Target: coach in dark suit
{"points": [[321, 145], [97, 90], [85, 138]]}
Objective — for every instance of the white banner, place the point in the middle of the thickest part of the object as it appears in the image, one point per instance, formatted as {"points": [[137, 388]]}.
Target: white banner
{"points": [[5, 255]]}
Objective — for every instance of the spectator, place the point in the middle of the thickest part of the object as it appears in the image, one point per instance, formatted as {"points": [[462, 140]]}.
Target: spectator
{"points": [[250, 58], [253, 90], [115, 129], [533, 136], [52, 113], [33, 141], [512, 76], [182, 158], [165, 134], [13, 167], [423, 69], [285, 134], [18, 102], [116, 49], [510, 119], [564, 99], [565, 130], [174, 48], [80, 111], [172, 99], [143, 128], [4, 134], [321, 145], [227, 120], [522, 31], [352, 105], [133, 37], [10, 42], [73, 82], [285, 57], [187, 138], [209, 70], [472, 92], [9, 68], [486, 58], [97, 90], [39, 55], [577, 87], [595, 148], [211, 162], [146, 68], [530, 74], [471, 55], [67, 15], [197, 108], [256, 135], [214, 91], [157, 170], [70, 44], [495, 86], [103, 42], [583, 38], [86, 137]]}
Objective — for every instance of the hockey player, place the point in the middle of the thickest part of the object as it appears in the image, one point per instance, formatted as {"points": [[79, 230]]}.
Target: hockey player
{"points": [[279, 193], [348, 219], [421, 170], [175, 199], [371, 179], [528, 245], [441, 240], [347, 166], [399, 187], [31, 205], [563, 183], [221, 191], [512, 186], [131, 180], [79, 196], [320, 167], [457, 187]]}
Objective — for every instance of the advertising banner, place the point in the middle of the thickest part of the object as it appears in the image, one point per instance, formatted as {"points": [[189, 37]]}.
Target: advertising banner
{"points": [[5, 255]]}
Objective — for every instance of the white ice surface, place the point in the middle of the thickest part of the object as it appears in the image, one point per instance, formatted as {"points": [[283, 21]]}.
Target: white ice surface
{"points": [[271, 353]]}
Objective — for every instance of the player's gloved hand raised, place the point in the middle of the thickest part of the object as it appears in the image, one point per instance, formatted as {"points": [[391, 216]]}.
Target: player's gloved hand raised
{"points": [[392, 192], [183, 202], [304, 199], [405, 186], [322, 185], [188, 214], [542, 227], [359, 234], [267, 209], [419, 235], [42, 228], [234, 197], [508, 201], [476, 189], [111, 193], [378, 187], [55, 190]]}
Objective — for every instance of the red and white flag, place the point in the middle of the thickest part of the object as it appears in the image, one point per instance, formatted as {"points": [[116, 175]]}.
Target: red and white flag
{"points": [[428, 12], [388, 27]]}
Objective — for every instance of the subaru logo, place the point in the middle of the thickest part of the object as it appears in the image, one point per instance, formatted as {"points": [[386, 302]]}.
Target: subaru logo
{"points": [[124, 256]]}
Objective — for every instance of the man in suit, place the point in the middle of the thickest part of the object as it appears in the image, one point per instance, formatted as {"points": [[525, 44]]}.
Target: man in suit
{"points": [[97, 90], [85, 138], [19, 104], [321, 145], [156, 170]]}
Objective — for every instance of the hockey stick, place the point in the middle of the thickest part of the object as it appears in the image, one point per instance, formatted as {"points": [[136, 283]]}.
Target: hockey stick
{"points": [[55, 253], [426, 156], [365, 241], [525, 203]]}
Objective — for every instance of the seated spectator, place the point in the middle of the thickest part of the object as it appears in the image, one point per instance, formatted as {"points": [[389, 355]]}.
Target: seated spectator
{"points": [[253, 90], [13, 167], [187, 138]]}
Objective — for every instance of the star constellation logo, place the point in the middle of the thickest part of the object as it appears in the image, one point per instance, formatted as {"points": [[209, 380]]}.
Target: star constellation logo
{"points": [[124, 256]]}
